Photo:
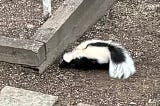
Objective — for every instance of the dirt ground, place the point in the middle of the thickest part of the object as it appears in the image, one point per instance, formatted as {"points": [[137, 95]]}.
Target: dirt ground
{"points": [[21, 18], [135, 24]]}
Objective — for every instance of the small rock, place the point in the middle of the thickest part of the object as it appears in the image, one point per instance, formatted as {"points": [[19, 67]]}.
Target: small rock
{"points": [[30, 26], [151, 101], [132, 103]]}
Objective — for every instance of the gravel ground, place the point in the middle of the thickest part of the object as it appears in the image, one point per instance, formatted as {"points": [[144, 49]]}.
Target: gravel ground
{"points": [[21, 18], [135, 24]]}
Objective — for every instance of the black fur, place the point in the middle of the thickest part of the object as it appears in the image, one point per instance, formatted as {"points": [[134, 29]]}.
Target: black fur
{"points": [[98, 44], [84, 63], [117, 54]]}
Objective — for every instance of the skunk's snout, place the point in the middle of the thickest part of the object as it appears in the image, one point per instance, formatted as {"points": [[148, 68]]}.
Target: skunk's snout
{"points": [[63, 64]]}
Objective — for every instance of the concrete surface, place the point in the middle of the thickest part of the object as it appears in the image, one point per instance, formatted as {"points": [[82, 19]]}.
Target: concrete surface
{"points": [[133, 23], [67, 24], [11, 96], [21, 51]]}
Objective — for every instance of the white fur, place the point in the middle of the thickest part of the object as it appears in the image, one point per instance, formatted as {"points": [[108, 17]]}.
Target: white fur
{"points": [[67, 57], [47, 7], [99, 53], [102, 55], [125, 69], [85, 43]]}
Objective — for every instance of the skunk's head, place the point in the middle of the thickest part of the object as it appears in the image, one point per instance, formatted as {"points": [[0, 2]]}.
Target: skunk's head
{"points": [[98, 54]]}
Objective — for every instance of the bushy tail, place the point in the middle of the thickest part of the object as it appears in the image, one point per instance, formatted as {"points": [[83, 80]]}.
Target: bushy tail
{"points": [[121, 65]]}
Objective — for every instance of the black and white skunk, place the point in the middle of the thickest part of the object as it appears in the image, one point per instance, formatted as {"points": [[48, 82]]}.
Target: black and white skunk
{"points": [[98, 53]]}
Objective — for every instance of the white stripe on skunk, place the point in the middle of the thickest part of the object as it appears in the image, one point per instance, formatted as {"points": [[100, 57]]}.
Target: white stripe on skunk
{"points": [[121, 65]]}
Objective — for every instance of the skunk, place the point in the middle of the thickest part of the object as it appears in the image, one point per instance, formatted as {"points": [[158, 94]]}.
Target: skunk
{"points": [[99, 53]]}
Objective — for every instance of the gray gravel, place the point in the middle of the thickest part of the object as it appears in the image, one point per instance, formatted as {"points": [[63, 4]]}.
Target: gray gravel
{"points": [[134, 23], [21, 18]]}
